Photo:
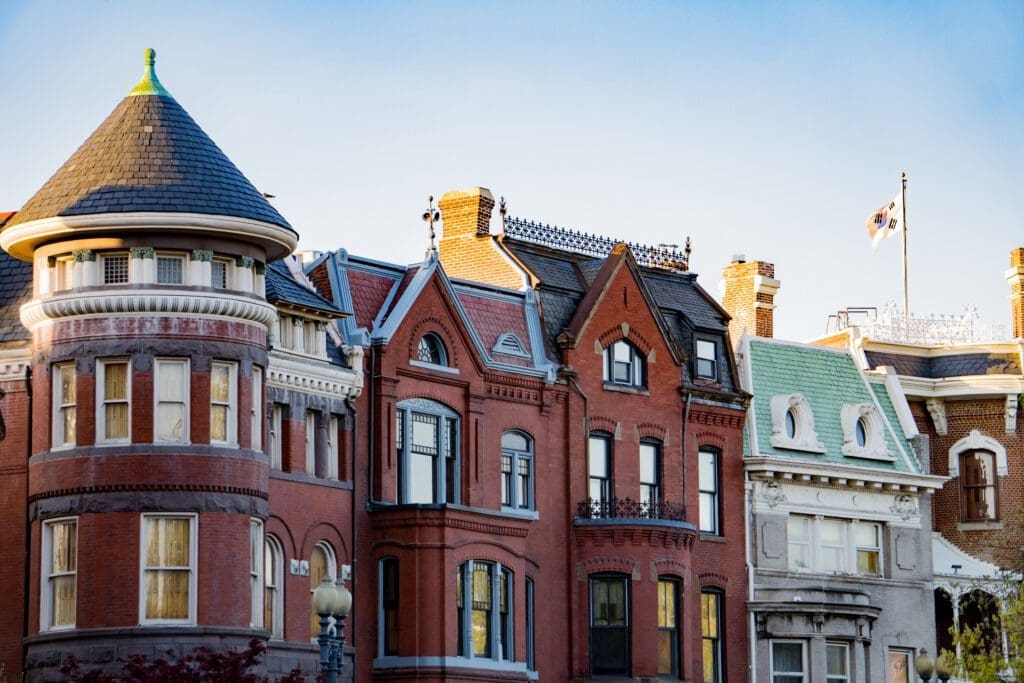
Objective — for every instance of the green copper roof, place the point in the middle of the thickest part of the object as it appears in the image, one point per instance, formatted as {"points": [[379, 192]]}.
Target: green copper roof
{"points": [[828, 379], [149, 84]]}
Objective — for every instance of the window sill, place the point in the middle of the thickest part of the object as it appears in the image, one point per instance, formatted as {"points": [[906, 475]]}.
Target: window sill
{"points": [[520, 513], [627, 389], [303, 478], [434, 367], [714, 538], [993, 525]]}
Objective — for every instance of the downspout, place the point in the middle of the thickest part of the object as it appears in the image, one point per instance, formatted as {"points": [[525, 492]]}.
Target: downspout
{"points": [[28, 523], [686, 420], [568, 498], [355, 527], [748, 495]]}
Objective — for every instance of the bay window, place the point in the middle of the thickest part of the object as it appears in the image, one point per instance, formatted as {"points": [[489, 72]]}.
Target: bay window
{"points": [[113, 405], [788, 662], [168, 556], [427, 436], [224, 403], [483, 596], [711, 634], [517, 471], [835, 546], [171, 393], [64, 405], [60, 574], [668, 627]]}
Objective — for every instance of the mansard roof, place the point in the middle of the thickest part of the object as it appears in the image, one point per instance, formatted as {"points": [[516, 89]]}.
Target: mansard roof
{"points": [[966, 363], [149, 155], [826, 379], [15, 289], [282, 288]]}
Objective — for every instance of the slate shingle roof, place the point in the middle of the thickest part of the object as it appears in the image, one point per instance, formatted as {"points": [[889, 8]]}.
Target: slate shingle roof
{"points": [[369, 292], [148, 155], [15, 289], [958, 365], [492, 318], [282, 287]]}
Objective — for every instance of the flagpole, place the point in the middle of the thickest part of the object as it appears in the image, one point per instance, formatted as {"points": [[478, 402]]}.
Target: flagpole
{"points": [[906, 287]]}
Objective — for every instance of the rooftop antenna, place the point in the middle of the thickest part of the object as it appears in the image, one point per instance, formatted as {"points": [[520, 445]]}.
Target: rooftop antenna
{"points": [[503, 210], [686, 251], [429, 216]]}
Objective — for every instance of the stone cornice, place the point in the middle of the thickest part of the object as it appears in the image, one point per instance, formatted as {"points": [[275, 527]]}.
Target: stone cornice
{"points": [[836, 474], [22, 239], [312, 376], [103, 302], [961, 387], [14, 364]]}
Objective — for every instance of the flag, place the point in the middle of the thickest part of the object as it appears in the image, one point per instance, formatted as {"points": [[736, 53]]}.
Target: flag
{"points": [[885, 222]]}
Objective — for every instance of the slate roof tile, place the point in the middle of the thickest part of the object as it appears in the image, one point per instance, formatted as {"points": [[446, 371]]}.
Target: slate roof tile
{"points": [[282, 287], [15, 289]]}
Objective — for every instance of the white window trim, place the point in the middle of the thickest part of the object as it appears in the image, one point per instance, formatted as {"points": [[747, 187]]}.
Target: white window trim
{"points": [[186, 396], [714, 359], [101, 417], [229, 266], [256, 423], [63, 274], [874, 447], [193, 554], [835, 678], [274, 445], [514, 504], [771, 657], [717, 511], [232, 404], [805, 438], [311, 442], [849, 546], [257, 549], [46, 572], [102, 268], [976, 441], [58, 438], [333, 450], [175, 256], [272, 544]]}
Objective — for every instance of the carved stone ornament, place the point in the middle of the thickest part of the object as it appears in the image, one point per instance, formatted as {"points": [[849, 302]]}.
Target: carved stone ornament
{"points": [[771, 493], [937, 410], [1011, 413], [904, 505]]}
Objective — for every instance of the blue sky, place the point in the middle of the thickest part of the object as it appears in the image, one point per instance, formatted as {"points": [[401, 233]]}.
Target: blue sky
{"points": [[766, 129]]}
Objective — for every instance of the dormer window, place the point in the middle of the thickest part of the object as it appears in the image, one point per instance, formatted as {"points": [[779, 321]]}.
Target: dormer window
{"points": [[431, 350], [624, 365], [863, 432], [707, 360], [793, 424]]}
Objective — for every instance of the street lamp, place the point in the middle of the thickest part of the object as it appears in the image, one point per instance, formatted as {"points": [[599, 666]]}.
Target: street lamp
{"points": [[943, 669], [924, 665], [329, 601]]}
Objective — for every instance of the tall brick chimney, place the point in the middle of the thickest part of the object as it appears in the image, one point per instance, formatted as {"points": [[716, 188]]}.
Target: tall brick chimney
{"points": [[467, 249], [749, 297], [1015, 278]]}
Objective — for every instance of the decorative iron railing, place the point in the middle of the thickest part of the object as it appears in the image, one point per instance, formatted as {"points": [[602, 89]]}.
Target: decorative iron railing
{"points": [[664, 256], [890, 325], [627, 508]]}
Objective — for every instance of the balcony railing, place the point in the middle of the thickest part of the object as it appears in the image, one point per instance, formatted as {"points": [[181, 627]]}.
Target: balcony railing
{"points": [[627, 508]]}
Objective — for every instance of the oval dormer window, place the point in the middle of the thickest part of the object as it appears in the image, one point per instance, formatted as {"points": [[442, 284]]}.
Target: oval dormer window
{"points": [[790, 424], [431, 350], [861, 432]]}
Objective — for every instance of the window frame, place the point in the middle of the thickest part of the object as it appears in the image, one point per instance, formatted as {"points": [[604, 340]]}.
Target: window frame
{"points": [[838, 678], [669, 631], [167, 256], [333, 450], [256, 409], [635, 364], [773, 674], [226, 264], [698, 358], [230, 406], [331, 570], [275, 442], [965, 489], [850, 548], [273, 586], [434, 347], [47, 575], [59, 433], [626, 626], [310, 442], [101, 401], [388, 606], [531, 627], [257, 585], [907, 655], [713, 495], [605, 484], [106, 257], [650, 491], [192, 568], [158, 364], [64, 276], [500, 625], [715, 639], [447, 461], [512, 484]]}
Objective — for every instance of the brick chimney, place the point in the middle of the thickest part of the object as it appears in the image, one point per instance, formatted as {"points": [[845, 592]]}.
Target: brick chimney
{"points": [[1015, 278], [466, 249], [749, 297]]}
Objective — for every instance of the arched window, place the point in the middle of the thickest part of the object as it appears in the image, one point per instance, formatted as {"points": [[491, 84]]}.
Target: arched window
{"points": [[273, 587], [431, 350], [428, 452], [483, 595], [624, 365], [978, 502], [517, 471], [321, 563]]}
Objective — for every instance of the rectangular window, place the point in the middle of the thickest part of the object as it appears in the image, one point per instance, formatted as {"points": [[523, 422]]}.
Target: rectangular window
{"points": [[59, 572], [219, 273], [256, 586], [709, 503], [276, 436], [64, 410], [333, 452], [168, 569], [834, 545], [170, 270], [311, 443], [171, 378], [650, 470], [273, 598], [837, 663], [788, 665], [256, 418], [668, 627], [284, 331], [531, 663], [115, 269], [65, 273], [898, 666], [711, 635], [977, 487], [506, 479], [223, 402], [309, 338], [869, 548], [389, 605], [428, 452], [609, 625], [112, 403], [599, 469], [707, 359], [831, 545], [799, 537]]}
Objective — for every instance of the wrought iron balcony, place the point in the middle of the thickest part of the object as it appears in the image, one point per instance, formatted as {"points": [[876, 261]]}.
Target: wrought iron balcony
{"points": [[627, 508]]}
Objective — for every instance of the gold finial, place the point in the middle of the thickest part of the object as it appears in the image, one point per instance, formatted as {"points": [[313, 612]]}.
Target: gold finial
{"points": [[150, 56]]}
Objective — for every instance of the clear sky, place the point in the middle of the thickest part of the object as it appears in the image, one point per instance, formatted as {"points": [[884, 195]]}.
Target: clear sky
{"points": [[765, 129]]}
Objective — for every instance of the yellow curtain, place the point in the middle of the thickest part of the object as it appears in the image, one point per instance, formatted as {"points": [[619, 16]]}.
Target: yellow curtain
{"points": [[65, 564], [115, 392], [168, 568]]}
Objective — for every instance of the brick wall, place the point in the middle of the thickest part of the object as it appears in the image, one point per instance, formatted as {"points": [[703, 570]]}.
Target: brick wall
{"points": [[467, 249], [749, 298]]}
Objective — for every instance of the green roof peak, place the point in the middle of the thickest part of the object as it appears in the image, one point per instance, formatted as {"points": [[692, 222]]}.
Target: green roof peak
{"points": [[149, 84]]}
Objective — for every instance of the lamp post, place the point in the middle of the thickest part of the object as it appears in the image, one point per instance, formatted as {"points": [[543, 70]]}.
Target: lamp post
{"points": [[329, 601], [943, 669], [924, 665]]}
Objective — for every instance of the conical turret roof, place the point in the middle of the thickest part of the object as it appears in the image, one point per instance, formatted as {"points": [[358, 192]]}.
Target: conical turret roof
{"points": [[148, 155]]}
